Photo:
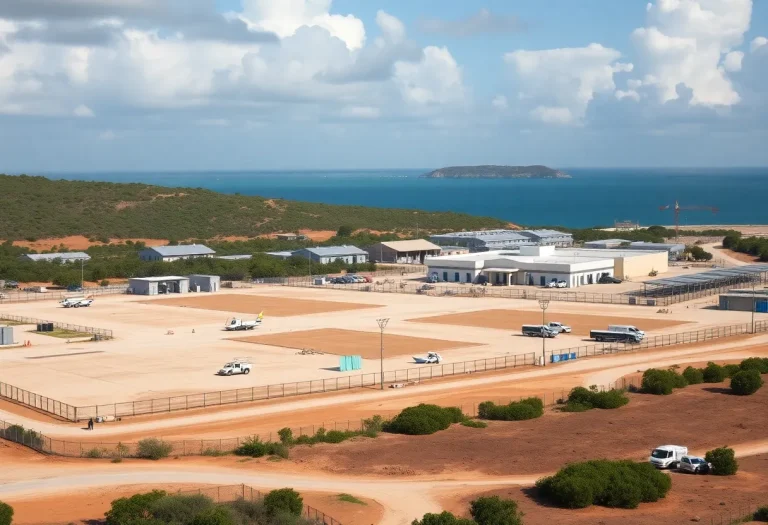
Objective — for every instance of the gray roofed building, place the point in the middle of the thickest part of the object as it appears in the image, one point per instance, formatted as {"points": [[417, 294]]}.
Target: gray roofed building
{"points": [[485, 240], [242, 257], [65, 257], [174, 253], [549, 237], [327, 254], [606, 243]]}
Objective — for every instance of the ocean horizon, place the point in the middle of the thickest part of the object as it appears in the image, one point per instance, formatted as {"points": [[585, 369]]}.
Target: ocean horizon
{"points": [[593, 197]]}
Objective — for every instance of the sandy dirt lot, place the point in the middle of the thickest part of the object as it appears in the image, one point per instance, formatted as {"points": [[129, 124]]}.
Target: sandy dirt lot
{"points": [[254, 304], [506, 448], [352, 342], [704, 497], [514, 319]]}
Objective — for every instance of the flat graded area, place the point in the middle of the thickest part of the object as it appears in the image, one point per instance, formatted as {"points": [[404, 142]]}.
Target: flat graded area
{"points": [[515, 448], [254, 304], [353, 342], [515, 319]]}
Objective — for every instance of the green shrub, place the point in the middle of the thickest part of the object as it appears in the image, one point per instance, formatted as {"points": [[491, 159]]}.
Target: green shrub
{"points": [[6, 514], [214, 452], [495, 511], [127, 511], [575, 407], [731, 370], [444, 518], [474, 423], [95, 453], [694, 376], [758, 363], [661, 382], [372, 426], [714, 373], [220, 515], [349, 498], [761, 514], [283, 500], [256, 448], [746, 382], [19, 434], [180, 508], [528, 408], [286, 436], [584, 399], [623, 484], [723, 461], [153, 448], [421, 420]]}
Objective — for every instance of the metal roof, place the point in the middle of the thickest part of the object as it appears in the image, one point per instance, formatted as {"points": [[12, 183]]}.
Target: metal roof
{"points": [[330, 251], [545, 233], [703, 280], [159, 279], [235, 257], [182, 250], [416, 245], [484, 235], [659, 245], [606, 241], [64, 256]]}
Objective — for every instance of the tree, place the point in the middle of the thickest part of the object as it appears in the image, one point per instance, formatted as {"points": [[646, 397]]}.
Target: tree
{"points": [[723, 461], [444, 518], [731, 241], [126, 511], [345, 231], [284, 500], [746, 382], [6, 514], [698, 253], [495, 511]]}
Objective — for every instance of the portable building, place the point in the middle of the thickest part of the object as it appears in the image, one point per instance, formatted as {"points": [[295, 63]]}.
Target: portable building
{"points": [[6, 335], [175, 253], [329, 254], [204, 283], [65, 257], [158, 285], [745, 301], [407, 252]]}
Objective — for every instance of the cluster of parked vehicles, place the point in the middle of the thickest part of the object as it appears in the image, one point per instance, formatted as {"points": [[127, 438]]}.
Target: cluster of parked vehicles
{"points": [[677, 457], [614, 334], [349, 279], [549, 330]]}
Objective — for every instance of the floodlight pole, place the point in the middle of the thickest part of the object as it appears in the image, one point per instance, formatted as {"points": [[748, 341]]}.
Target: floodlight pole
{"points": [[754, 305], [382, 325], [543, 304]]}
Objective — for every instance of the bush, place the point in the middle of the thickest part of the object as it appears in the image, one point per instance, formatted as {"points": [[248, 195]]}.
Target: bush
{"points": [[758, 363], [623, 484], [528, 408], [372, 426], [283, 500], [694, 376], [422, 419], [731, 370], [214, 516], [256, 448], [746, 382], [661, 382], [95, 453], [714, 373], [126, 511], [153, 448], [473, 423], [180, 508], [495, 511], [6, 514], [104, 282], [723, 461], [286, 436], [444, 518], [761, 514], [584, 399], [19, 434]]}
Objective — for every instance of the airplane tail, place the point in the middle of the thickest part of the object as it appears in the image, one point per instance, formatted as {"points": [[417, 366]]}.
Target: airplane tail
{"points": [[261, 315]]}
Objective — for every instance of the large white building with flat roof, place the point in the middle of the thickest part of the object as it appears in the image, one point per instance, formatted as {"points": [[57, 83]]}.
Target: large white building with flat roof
{"points": [[488, 240]]}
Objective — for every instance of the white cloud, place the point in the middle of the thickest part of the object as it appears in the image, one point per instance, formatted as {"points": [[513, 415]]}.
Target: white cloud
{"points": [[500, 102], [757, 43], [732, 61], [83, 111], [562, 82], [684, 41], [437, 79], [107, 135], [630, 94], [360, 112]]}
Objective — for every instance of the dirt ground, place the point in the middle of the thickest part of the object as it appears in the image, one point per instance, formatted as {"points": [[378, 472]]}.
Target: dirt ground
{"points": [[514, 319], [353, 342], [744, 257], [254, 304], [691, 497], [80, 242], [545, 444]]}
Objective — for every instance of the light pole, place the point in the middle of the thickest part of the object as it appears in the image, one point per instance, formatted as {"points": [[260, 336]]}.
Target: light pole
{"points": [[543, 304], [382, 325], [754, 305], [82, 273]]}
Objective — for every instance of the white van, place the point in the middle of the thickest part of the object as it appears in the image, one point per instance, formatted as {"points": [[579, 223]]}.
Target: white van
{"points": [[626, 328], [667, 456]]}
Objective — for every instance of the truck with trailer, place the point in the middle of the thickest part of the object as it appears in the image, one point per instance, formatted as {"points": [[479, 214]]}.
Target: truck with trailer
{"points": [[626, 328], [610, 336]]}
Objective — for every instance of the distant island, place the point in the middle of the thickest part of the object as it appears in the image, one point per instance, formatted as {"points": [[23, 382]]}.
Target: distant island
{"points": [[496, 172]]}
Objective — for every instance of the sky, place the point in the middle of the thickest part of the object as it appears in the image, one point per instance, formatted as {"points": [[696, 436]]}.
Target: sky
{"points": [[174, 85]]}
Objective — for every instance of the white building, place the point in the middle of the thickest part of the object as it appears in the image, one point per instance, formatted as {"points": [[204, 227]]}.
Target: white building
{"points": [[158, 285], [65, 257], [488, 240], [329, 254], [174, 253]]}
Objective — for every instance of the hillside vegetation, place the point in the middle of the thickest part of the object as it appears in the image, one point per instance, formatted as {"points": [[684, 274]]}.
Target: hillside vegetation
{"points": [[37, 207]]}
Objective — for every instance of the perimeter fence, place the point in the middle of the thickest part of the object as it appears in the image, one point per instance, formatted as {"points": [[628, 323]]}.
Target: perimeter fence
{"points": [[215, 447], [740, 514], [20, 296], [102, 333], [370, 380]]}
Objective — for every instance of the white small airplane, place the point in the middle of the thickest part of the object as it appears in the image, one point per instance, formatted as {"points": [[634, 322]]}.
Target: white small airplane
{"points": [[431, 359]]}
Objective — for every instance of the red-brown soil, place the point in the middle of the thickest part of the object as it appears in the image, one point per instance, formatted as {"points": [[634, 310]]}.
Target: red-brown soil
{"points": [[709, 498], [700, 417], [80, 242], [744, 257], [352, 342], [514, 319], [254, 304]]}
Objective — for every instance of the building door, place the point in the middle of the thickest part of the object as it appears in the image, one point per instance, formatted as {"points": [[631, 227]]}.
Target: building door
{"points": [[469, 277], [456, 277], [543, 280], [445, 276], [761, 307]]}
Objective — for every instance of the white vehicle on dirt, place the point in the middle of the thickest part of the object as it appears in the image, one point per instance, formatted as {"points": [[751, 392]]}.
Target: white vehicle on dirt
{"points": [[237, 366], [432, 358], [694, 465], [76, 302], [235, 323], [559, 327], [627, 329], [667, 456], [561, 284]]}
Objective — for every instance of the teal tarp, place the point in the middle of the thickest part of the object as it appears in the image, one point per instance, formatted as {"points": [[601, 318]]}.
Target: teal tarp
{"points": [[350, 362]]}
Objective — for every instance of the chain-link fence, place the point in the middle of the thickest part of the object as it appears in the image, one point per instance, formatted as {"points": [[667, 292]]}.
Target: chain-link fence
{"points": [[406, 375], [101, 333], [21, 296], [739, 514]]}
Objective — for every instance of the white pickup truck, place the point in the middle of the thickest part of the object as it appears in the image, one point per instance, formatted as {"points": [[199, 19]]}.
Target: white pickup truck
{"points": [[76, 302], [559, 327], [667, 456], [235, 367], [235, 323]]}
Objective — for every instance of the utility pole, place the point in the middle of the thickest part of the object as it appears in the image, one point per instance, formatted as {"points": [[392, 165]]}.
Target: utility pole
{"points": [[82, 273], [382, 325], [754, 305], [543, 304]]}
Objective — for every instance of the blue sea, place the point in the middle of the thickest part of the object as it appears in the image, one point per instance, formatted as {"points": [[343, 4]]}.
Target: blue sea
{"points": [[592, 197]]}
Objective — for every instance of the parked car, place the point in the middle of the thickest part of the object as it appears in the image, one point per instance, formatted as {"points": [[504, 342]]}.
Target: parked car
{"points": [[235, 367], [539, 331], [667, 456], [74, 288], [552, 283], [559, 327], [562, 284], [607, 279], [694, 464], [11, 284]]}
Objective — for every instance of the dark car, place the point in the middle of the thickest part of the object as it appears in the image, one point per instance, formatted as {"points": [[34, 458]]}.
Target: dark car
{"points": [[607, 279], [11, 284]]}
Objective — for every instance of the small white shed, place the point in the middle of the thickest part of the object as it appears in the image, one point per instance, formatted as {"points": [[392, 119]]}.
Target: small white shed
{"points": [[204, 283]]}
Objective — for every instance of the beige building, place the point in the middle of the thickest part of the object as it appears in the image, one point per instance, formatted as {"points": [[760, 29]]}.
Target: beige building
{"points": [[628, 264], [408, 252]]}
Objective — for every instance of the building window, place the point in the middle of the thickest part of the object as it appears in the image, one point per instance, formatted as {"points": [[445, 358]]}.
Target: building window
{"points": [[456, 277], [469, 277]]}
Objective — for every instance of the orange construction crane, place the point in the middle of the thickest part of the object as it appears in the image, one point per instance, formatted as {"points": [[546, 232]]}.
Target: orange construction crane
{"points": [[679, 208]]}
